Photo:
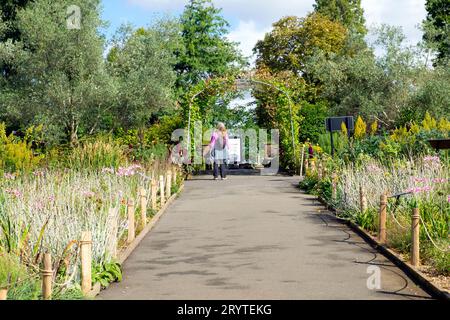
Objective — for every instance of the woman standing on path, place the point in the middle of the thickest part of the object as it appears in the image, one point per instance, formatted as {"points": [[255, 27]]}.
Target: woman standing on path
{"points": [[219, 151]]}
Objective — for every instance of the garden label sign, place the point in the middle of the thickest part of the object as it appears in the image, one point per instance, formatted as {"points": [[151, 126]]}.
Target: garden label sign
{"points": [[334, 124], [234, 150]]}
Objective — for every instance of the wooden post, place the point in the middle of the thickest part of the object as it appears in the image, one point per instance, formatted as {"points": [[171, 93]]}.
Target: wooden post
{"points": [[154, 191], [112, 244], [131, 229], [86, 262], [303, 160], [362, 200], [334, 186], [143, 195], [169, 184], [174, 181], [415, 233], [319, 170], [161, 190], [313, 166], [3, 294], [382, 219], [47, 277]]}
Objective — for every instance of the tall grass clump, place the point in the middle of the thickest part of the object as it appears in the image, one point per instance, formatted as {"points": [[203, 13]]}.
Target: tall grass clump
{"points": [[96, 154]]}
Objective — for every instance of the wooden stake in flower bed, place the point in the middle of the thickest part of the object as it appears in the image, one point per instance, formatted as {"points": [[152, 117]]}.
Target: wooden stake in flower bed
{"points": [[334, 186], [143, 195], [112, 243], [47, 275], [131, 229], [86, 262], [153, 196], [362, 200], [319, 170], [174, 179], [382, 219], [415, 233], [313, 166], [161, 190], [3, 294], [169, 184]]}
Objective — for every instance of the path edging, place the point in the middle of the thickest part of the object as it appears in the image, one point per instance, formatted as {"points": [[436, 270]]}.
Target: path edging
{"points": [[125, 253], [417, 276]]}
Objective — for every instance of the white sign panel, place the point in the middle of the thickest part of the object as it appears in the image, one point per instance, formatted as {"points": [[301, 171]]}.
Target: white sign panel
{"points": [[234, 150]]}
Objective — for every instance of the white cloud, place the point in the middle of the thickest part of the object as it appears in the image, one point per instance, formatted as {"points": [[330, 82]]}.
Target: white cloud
{"points": [[405, 13], [247, 34], [253, 18]]}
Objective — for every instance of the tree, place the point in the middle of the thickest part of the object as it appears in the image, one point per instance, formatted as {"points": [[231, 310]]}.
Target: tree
{"points": [[312, 123], [207, 53], [378, 87], [141, 61], [437, 28], [294, 39], [348, 12], [8, 14], [60, 78]]}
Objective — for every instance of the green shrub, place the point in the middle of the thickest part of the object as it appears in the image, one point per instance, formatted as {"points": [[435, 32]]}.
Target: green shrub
{"points": [[106, 273]]}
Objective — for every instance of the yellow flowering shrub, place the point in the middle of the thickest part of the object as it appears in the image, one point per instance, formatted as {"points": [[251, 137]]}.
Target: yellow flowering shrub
{"points": [[16, 155], [374, 128], [360, 129]]}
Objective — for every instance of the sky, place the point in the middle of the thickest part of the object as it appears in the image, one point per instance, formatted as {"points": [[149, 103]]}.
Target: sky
{"points": [[251, 19]]}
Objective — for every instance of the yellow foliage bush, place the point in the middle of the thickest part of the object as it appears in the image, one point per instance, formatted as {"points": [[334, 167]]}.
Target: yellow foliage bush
{"points": [[374, 128], [429, 123], [360, 129], [16, 155]]}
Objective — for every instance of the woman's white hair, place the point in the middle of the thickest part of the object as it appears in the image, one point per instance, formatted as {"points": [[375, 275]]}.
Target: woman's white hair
{"points": [[221, 126]]}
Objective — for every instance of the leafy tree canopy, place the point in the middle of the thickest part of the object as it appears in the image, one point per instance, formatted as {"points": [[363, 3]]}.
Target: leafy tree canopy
{"points": [[207, 53], [437, 28], [294, 39], [348, 12]]}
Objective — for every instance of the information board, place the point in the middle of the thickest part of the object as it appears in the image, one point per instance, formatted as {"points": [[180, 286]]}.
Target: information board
{"points": [[234, 150]]}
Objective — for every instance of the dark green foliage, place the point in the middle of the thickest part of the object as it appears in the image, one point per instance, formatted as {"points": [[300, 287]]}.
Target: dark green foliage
{"points": [[106, 273], [348, 12], [207, 53], [313, 118], [437, 28]]}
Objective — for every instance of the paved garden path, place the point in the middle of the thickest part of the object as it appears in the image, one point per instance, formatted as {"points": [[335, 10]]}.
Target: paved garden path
{"points": [[253, 237]]}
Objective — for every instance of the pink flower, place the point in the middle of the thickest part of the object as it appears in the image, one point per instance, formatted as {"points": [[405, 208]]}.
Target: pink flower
{"points": [[439, 180], [14, 192], [51, 198], [9, 176], [448, 198], [38, 205], [432, 159], [89, 194], [129, 171], [38, 173]]}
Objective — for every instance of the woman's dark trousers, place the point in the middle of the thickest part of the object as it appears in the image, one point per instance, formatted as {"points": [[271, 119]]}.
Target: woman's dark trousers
{"points": [[222, 167]]}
